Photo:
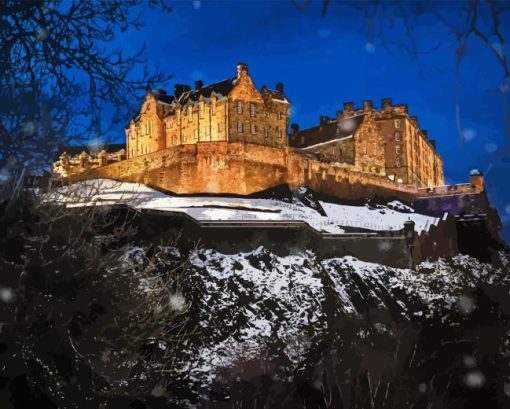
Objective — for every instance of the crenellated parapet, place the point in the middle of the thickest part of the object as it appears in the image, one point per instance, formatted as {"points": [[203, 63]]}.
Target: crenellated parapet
{"points": [[68, 165]]}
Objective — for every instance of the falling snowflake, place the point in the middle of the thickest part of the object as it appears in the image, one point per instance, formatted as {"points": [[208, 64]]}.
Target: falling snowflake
{"points": [[474, 379], [465, 304], [469, 361], [324, 33], [348, 125], [491, 147], [177, 302], [42, 34], [95, 145], [6, 295], [469, 134], [28, 128], [506, 389], [158, 391], [4, 175]]}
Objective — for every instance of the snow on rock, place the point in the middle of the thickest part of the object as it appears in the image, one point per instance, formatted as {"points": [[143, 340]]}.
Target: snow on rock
{"points": [[250, 304], [375, 219], [139, 196]]}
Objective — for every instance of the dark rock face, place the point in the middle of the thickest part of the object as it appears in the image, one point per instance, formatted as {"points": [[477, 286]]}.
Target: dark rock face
{"points": [[107, 308]]}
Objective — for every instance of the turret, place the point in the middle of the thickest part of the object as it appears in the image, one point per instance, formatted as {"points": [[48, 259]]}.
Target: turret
{"points": [[476, 180]]}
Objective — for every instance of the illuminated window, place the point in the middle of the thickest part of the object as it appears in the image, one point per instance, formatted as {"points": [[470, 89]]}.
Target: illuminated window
{"points": [[240, 127], [397, 136], [239, 107], [253, 128], [397, 149], [253, 109], [279, 132], [398, 163], [279, 115], [397, 123]]}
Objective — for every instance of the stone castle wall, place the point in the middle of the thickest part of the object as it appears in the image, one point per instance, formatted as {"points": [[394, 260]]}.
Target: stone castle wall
{"points": [[238, 168]]}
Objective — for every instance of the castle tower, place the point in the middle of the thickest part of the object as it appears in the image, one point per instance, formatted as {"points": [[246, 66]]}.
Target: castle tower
{"points": [[476, 180]]}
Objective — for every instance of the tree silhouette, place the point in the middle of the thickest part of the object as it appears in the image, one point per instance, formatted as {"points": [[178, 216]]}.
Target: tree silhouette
{"points": [[60, 75]]}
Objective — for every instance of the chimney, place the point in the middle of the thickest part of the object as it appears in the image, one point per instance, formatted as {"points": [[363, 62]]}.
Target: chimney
{"points": [[433, 143], [323, 119], [386, 103], [279, 87], [348, 106], [199, 84], [414, 118], [368, 105], [180, 89], [294, 129], [242, 68], [160, 91], [425, 133]]}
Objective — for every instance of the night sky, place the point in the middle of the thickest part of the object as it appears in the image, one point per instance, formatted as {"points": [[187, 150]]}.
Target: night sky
{"points": [[344, 56]]}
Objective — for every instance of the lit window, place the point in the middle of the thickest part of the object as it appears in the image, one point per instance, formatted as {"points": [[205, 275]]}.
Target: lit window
{"points": [[239, 107], [397, 136], [279, 132], [398, 163], [240, 127], [279, 115], [253, 128], [252, 109], [397, 149], [397, 123]]}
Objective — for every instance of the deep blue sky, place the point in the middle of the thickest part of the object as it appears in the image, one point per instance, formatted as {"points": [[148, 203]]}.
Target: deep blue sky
{"points": [[325, 61]]}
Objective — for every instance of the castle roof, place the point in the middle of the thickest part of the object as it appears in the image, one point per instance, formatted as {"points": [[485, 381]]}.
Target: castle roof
{"points": [[164, 98], [223, 87], [328, 131], [276, 94]]}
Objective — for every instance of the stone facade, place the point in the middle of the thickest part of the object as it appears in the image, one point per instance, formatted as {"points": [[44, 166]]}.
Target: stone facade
{"points": [[230, 137], [233, 110], [384, 142]]}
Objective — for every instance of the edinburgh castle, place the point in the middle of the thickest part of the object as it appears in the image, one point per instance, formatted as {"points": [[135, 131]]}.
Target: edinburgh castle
{"points": [[231, 137]]}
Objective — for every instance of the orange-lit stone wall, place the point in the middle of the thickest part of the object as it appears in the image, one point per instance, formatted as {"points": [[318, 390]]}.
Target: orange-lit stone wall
{"points": [[222, 167]]}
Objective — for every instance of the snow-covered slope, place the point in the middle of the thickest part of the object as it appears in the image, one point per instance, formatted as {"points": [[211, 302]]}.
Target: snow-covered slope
{"points": [[251, 305], [105, 191]]}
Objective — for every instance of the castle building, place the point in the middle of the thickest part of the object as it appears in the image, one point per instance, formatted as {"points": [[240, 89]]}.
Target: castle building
{"points": [[236, 119], [387, 142], [232, 110]]}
